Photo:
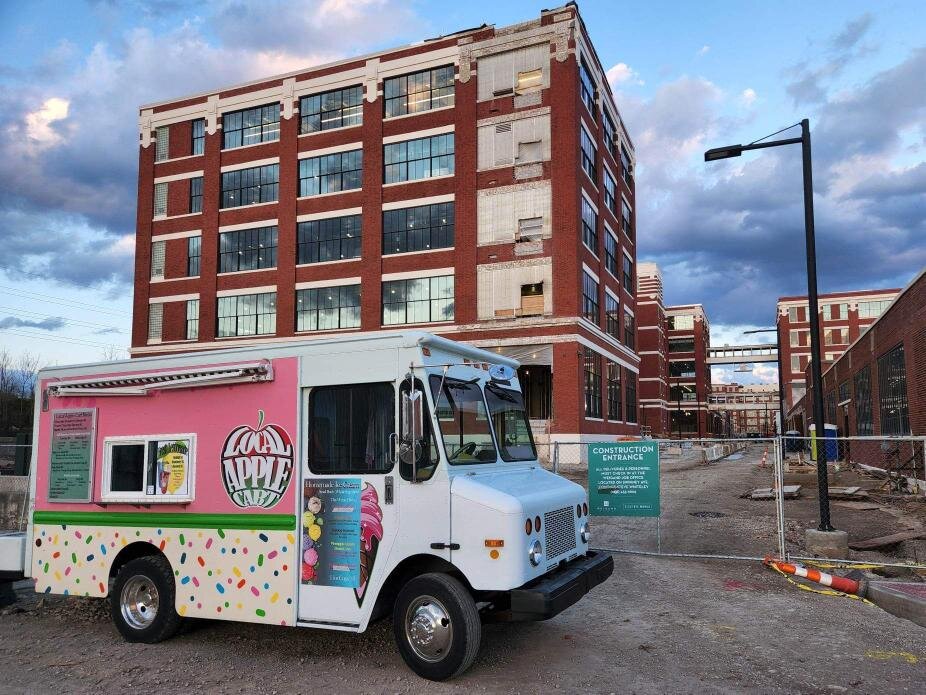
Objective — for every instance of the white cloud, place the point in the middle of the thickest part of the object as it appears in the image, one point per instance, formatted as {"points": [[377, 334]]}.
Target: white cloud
{"points": [[623, 74], [704, 50], [748, 96], [39, 122]]}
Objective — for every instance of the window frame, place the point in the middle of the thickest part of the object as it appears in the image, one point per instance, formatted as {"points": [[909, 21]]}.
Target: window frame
{"points": [[272, 173], [162, 144], [631, 404], [197, 139], [238, 317], [349, 241], [586, 87], [345, 168], [615, 392], [630, 329], [194, 260], [588, 154], [610, 190], [249, 241], [430, 300], [611, 252], [613, 323], [589, 226], [432, 159], [445, 232], [305, 314], [627, 282], [107, 495], [268, 133], [893, 392], [355, 118], [861, 396], [591, 308], [405, 94], [592, 383], [192, 321], [196, 194]]}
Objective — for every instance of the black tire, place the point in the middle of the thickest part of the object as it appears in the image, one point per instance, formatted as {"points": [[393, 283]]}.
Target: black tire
{"points": [[446, 596], [146, 576]]}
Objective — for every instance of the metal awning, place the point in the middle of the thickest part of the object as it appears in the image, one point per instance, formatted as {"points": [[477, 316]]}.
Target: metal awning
{"points": [[142, 384], [526, 354]]}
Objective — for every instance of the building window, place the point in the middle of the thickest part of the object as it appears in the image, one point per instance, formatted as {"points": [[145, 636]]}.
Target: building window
{"points": [[532, 299], [160, 199], [590, 298], [628, 274], [626, 220], [610, 253], [631, 399], [196, 194], [248, 249], [418, 300], [831, 407], [423, 158], [835, 336], [155, 322], [682, 369], [418, 229], [589, 154], [419, 91], [612, 316], [685, 392], [162, 150], [610, 191], [862, 383], [530, 229], [251, 126], [250, 186], [586, 87], [794, 338], [331, 173], [158, 255], [796, 364], [194, 252], [626, 167], [589, 226], [592, 383], [630, 330], [247, 314], [336, 109], [610, 133], [833, 312], [614, 391], [328, 308], [681, 344], [873, 309], [350, 429], [192, 319], [681, 322], [892, 392], [198, 145], [334, 239], [844, 393]]}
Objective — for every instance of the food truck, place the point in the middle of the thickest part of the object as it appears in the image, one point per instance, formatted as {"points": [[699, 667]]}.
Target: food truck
{"points": [[324, 483]]}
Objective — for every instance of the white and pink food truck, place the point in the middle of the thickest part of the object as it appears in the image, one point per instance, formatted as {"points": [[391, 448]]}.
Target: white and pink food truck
{"points": [[323, 483]]}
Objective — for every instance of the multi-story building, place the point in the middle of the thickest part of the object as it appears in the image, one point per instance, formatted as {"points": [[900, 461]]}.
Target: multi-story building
{"points": [[877, 386], [843, 317], [478, 185], [739, 410], [653, 349], [688, 336]]}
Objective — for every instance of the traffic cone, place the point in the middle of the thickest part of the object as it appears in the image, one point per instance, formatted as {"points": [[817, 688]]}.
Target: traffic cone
{"points": [[846, 586]]}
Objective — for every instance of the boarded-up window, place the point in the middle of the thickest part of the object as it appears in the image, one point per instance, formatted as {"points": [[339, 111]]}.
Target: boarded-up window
{"points": [[162, 134], [500, 211], [157, 259], [501, 288], [530, 229], [160, 199], [155, 322], [514, 142], [499, 74], [528, 81]]}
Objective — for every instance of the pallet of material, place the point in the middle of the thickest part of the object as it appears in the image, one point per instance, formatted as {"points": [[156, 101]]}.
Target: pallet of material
{"points": [[789, 492]]}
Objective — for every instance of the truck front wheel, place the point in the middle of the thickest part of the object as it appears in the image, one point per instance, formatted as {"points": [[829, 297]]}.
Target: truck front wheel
{"points": [[437, 626], [142, 601]]}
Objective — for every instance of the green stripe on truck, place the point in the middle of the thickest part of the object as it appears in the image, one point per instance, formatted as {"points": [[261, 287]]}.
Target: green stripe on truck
{"points": [[248, 522]]}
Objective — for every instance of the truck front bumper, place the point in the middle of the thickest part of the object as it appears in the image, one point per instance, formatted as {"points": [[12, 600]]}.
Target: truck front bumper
{"points": [[555, 591]]}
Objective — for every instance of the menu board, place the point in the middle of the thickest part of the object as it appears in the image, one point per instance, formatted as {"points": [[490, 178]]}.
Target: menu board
{"points": [[70, 468]]}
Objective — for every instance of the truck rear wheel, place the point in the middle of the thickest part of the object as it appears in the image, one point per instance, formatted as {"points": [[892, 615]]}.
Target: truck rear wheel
{"points": [[142, 601], [437, 626]]}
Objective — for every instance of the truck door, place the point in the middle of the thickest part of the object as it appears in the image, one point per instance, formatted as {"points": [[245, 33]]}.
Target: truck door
{"points": [[347, 515]]}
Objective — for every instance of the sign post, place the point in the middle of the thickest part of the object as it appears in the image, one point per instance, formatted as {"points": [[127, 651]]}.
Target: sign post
{"points": [[623, 478]]}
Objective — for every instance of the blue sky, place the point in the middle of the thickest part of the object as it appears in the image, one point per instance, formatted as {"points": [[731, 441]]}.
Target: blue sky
{"points": [[687, 76]]}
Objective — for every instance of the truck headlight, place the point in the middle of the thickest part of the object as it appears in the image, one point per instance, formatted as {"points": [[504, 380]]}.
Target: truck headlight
{"points": [[535, 554], [586, 533]]}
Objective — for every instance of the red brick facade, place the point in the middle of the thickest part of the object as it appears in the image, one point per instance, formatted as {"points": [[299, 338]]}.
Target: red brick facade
{"points": [[552, 342]]}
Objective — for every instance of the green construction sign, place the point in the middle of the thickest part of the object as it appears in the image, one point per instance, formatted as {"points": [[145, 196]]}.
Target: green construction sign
{"points": [[623, 478]]}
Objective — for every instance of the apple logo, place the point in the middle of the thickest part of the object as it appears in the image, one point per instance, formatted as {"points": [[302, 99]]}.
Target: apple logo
{"points": [[257, 464]]}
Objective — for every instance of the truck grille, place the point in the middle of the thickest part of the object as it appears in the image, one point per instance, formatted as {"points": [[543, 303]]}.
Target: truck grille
{"points": [[560, 531]]}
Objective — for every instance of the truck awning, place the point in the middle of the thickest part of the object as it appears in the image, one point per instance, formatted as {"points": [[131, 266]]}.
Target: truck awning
{"points": [[142, 384]]}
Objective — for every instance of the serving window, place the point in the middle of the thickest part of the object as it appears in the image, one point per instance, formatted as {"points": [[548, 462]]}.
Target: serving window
{"points": [[149, 469]]}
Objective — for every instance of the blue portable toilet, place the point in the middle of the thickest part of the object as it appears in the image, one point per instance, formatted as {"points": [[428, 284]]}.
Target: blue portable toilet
{"points": [[829, 436]]}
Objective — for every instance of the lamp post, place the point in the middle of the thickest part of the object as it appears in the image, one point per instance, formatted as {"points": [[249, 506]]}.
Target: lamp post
{"points": [[810, 242]]}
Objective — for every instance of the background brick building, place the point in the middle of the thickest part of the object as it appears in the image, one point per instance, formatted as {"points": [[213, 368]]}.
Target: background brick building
{"points": [[688, 335], [653, 348], [877, 387], [843, 317], [478, 185], [741, 410]]}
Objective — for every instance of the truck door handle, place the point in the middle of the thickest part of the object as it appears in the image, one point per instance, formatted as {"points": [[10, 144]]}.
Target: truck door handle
{"points": [[445, 546], [390, 490]]}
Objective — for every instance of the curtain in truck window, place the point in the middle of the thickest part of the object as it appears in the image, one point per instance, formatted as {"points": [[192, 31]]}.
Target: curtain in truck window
{"points": [[349, 428]]}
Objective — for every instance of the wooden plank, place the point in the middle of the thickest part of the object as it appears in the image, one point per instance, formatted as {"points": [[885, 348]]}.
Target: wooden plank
{"points": [[892, 539]]}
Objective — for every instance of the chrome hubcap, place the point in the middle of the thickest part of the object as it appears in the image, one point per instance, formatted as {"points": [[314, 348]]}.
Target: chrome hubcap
{"points": [[139, 602], [428, 628]]}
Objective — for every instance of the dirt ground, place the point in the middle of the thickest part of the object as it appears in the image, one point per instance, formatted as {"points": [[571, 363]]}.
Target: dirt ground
{"points": [[657, 625]]}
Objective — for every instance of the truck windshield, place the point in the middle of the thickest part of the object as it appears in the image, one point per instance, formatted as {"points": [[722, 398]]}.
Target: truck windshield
{"points": [[464, 421], [515, 442]]}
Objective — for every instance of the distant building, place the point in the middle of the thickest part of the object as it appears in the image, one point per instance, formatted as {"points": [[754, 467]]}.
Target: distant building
{"points": [[744, 409], [843, 317], [653, 349], [688, 336], [876, 386]]}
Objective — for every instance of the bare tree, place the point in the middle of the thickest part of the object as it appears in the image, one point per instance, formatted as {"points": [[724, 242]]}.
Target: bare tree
{"points": [[112, 353], [27, 366]]}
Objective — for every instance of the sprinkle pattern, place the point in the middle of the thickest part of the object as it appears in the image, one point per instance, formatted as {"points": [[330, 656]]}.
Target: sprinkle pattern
{"points": [[212, 573]]}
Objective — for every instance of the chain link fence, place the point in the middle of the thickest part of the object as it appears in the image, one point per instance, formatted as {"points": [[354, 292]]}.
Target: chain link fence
{"points": [[14, 485]]}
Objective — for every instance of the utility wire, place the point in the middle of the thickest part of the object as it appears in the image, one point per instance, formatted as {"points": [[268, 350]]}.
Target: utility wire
{"points": [[775, 133], [88, 324], [61, 300], [62, 339]]}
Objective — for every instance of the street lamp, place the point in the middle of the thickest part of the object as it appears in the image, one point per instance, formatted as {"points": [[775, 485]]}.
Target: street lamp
{"points": [[815, 364]]}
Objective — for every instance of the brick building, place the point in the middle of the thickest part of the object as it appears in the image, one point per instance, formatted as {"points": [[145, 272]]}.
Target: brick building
{"points": [[877, 386], [843, 317], [653, 349], [688, 336], [739, 410], [478, 185]]}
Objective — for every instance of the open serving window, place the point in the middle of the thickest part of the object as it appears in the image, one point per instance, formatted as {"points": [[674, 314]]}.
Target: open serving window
{"points": [[149, 469]]}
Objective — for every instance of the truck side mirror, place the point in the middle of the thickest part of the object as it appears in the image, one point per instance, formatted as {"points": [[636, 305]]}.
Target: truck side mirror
{"points": [[410, 447]]}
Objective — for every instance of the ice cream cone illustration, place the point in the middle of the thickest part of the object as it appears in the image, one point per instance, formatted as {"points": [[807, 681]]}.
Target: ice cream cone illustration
{"points": [[371, 533]]}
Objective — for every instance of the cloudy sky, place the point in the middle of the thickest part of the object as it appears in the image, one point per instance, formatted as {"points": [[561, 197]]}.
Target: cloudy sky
{"points": [[687, 76]]}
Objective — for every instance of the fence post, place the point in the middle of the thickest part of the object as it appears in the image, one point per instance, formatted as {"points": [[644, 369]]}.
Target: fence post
{"points": [[779, 495], [556, 457]]}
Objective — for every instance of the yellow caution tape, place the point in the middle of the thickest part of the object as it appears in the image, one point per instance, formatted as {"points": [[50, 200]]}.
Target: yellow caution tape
{"points": [[825, 592]]}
